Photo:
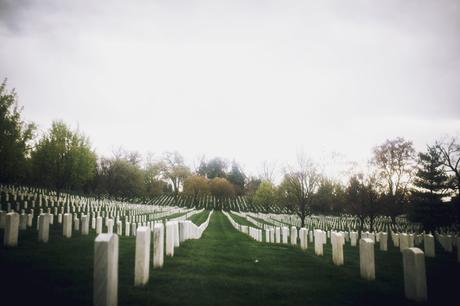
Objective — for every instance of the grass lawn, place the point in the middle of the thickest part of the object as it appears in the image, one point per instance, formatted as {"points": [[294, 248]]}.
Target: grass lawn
{"points": [[224, 267]]}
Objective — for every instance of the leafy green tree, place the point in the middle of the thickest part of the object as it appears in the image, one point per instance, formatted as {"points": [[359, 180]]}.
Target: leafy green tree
{"points": [[216, 167], [63, 159], [154, 186], [237, 177], [15, 137], [265, 195], [221, 189], [431, 185], [124, 179], [329, 198], [196, 186]]}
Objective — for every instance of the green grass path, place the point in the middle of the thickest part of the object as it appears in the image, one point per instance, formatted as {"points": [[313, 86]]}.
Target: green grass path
{"points": [[224, 267]]}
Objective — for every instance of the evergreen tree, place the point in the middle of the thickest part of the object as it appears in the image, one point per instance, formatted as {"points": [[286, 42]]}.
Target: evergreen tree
{"points": [[431, 184]]}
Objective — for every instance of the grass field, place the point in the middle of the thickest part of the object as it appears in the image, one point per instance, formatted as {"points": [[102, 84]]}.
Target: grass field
{"points": [[224, 267]]}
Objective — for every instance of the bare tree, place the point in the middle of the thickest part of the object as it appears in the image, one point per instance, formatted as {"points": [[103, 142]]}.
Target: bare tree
{"points": [[298, 188], [395, 162], [450, 157], [268, 171], [173, 169]]}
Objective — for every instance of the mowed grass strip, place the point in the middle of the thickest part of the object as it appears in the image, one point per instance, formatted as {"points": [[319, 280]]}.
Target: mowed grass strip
{"points": [[225, 267], [242, 221], [200, 217]]}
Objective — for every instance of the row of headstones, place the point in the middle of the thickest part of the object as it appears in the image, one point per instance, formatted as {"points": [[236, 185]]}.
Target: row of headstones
{"points": [[413, 258], [132, 218], [381, 223], [13, 222], [408, 240], [74, 204], [164, 237], [415, 286]]}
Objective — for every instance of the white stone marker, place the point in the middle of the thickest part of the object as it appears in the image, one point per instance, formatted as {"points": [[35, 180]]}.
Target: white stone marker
{"points": [[366, 258], [277, 235], [182, 231], [30, 218], [84, 225], [170, 238], [133, 228], [158, 245], [414, 274], [383, 242], [354, 238], [23, 222], [428, 245], [43, 227], [411, 240], [318, 242], [67, 225], [176, 234], [293, 235], [285, 231], [303, 234], [76, 224], [119, 228], [105, 282], [267, 236], [337, 240], [127, 228], [142, 259], [110, 226], [11, 233], [403, 241], [98, 225]]}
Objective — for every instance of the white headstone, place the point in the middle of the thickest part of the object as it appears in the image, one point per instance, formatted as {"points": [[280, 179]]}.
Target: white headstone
{"points": [[43, 227], [337, 240], [158, 245], [303, 234], [169, 250], [142, 256], [278, 235], [105, 281], [67, 225], [285, 232], [11, 233], [403, 241], [414, 274], [429, 246], [293, 235], [318, 242], [383, 237], [366, 258]]}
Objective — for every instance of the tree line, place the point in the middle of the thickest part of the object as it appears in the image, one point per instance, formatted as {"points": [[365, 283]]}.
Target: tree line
{"points": [[398, 180]]}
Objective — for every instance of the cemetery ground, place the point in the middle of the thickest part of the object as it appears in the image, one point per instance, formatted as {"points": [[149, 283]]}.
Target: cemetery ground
{"points": [[224, 267]]}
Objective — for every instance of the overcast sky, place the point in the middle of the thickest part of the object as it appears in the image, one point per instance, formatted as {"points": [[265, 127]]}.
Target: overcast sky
{"points": [[245, 80]]}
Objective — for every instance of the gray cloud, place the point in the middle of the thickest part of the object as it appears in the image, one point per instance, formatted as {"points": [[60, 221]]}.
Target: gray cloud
{"points": [[152, 75]]}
